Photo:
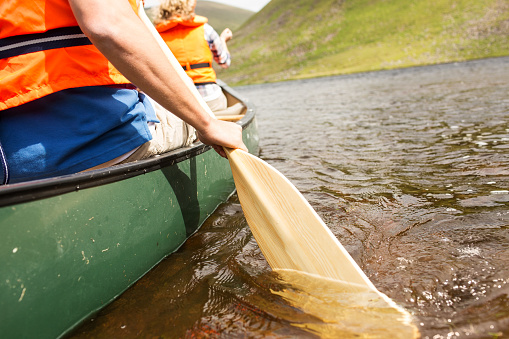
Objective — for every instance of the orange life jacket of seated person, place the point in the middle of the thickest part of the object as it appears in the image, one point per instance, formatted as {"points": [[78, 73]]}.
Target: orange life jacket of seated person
{"points": [[43, 50], [186, 39]]}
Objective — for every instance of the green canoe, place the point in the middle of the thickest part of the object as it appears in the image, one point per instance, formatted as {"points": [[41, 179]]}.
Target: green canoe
{"points": [[72, 244]]}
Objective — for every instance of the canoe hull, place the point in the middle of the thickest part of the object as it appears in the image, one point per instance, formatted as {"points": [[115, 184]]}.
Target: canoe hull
{"points": [[67, 256]]}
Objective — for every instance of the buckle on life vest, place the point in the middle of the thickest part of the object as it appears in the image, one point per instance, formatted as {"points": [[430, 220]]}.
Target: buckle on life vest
{"points": [[195, 66]]}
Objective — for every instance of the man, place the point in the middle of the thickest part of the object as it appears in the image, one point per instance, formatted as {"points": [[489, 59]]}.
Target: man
{"points": [[65, 109]]}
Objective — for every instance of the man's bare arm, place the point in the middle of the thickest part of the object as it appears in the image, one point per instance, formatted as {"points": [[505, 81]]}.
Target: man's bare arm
{"points": [[118, 33]]}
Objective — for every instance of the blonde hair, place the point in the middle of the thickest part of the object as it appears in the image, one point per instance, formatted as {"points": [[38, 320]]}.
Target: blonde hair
{"points": [[171, 9]]}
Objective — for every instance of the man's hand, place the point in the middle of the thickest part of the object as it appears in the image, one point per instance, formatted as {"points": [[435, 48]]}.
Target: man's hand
{"points": [[222, 133]]}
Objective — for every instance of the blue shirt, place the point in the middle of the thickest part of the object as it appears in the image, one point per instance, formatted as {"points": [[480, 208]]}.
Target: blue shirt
{"points": [[73, 130]]}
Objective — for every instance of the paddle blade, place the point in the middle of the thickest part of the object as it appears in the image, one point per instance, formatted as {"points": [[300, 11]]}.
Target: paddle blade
{"points": [[288, 231]]}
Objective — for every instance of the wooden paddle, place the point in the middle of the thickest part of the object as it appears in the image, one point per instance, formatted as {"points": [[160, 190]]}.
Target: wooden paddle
{"points": [[290, 234], [296, 242], [288, 231]]}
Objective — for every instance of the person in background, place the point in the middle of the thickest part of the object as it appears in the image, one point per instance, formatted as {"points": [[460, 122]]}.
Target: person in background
{"points": [[69, 74], [195, 44]]}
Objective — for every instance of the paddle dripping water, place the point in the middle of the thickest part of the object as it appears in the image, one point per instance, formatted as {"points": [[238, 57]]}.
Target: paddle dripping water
{"points": [[300, 247]]}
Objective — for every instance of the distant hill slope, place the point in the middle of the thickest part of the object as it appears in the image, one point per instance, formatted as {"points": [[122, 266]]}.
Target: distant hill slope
{"points": [[221, 16], [309, 38]]}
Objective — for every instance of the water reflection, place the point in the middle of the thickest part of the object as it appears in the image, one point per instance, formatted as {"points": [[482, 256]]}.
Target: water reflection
{"points": [[409, 169], [343, 310]]}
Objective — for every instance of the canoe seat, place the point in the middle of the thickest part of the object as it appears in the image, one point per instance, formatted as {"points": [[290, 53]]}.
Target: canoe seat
{"points": [[232, 110]]}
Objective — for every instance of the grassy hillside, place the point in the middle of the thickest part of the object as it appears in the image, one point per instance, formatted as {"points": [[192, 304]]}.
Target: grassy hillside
{"points": [[310, 38], [221, 16]]}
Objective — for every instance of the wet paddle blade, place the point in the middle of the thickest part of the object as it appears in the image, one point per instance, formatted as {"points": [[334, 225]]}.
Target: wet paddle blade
{"points": [[288, 231]]}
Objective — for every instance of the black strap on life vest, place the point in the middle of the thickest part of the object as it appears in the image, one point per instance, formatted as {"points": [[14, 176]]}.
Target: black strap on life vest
{"points": [[205, 83], [5, 168], [36, 42], [195, 66]]}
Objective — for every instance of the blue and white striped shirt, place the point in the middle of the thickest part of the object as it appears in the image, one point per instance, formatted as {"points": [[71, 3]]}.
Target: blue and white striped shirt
{"points": [[221, 56]]}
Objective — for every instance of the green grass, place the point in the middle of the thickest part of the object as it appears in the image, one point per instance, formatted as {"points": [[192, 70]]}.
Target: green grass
{"points": [[309, 38]]}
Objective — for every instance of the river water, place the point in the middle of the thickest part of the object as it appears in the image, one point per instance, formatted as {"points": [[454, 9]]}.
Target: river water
{"points": [[409, 169]]}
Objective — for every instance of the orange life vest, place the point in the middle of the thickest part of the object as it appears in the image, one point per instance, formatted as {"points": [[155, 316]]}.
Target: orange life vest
{"points": [[43, 50], [186, 39]]}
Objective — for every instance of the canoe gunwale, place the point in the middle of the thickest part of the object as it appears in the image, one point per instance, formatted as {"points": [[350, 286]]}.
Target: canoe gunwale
{"points": [[50, 187]]}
